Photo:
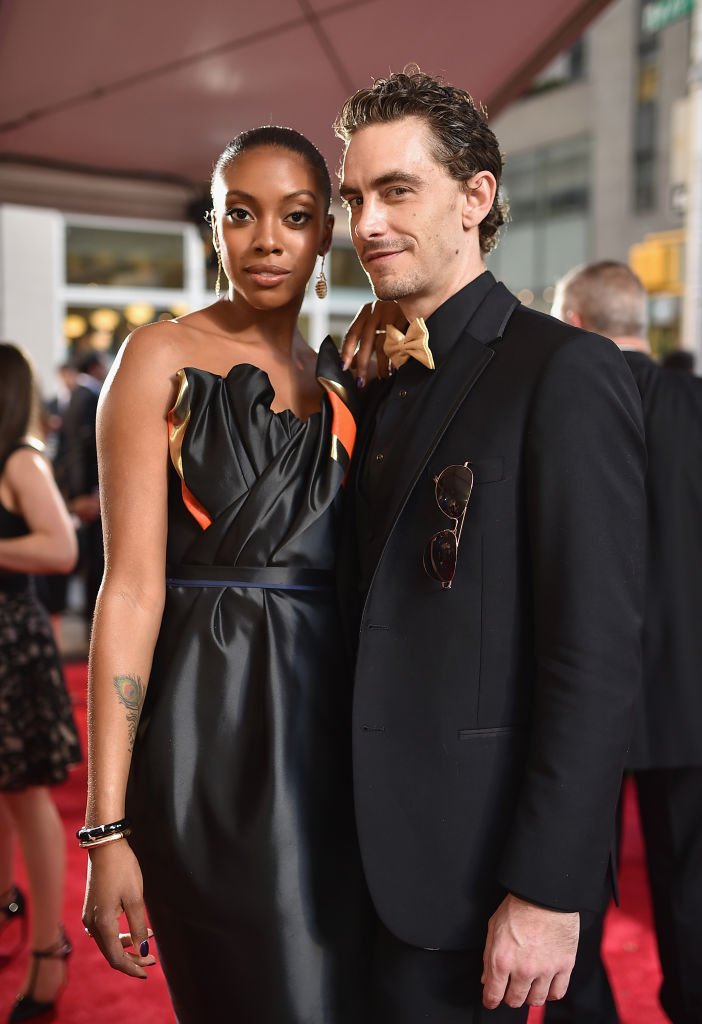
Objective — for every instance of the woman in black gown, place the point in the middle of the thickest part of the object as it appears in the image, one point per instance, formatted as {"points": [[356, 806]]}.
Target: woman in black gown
{"points": [[38, 736], [219, 688]]}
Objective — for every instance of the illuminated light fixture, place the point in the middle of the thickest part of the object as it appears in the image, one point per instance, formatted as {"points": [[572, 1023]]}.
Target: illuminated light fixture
{"points": [[139, 313], [526, 296], [101, 340], [104, 319], [180, 309], [74, 326], [549, 293]]}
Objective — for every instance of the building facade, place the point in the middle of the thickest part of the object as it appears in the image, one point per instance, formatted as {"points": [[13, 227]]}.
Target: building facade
{"points": [[596, 161]]}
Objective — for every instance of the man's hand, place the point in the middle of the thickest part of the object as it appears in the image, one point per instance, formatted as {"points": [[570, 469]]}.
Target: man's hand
{"points": [[529, 954], [85, 507]]}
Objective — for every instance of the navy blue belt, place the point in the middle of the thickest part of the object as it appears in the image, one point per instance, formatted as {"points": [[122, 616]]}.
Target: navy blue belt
{"points": [[263, 578]]}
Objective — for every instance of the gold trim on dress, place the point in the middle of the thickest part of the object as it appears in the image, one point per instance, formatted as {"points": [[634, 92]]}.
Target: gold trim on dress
{"points": [[178, 419], [334, 385]]}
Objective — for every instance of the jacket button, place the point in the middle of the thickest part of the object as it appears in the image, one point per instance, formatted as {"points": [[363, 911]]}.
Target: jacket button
{"points": [[403, 393], [379, 457]]}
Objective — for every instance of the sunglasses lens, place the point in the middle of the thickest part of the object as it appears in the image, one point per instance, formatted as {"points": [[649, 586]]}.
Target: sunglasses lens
{"points": [[440, 556], [453, 488]]}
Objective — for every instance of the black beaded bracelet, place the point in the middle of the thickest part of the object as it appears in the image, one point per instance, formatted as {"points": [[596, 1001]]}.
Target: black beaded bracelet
{"points": [[90, 835]]}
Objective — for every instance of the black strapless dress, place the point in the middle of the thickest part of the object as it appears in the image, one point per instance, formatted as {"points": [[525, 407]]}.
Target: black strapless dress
{"points": [[240, 788]]}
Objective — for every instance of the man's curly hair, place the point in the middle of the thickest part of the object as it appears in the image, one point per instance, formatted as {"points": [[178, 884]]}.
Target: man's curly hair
{"points": [[462, 140]]}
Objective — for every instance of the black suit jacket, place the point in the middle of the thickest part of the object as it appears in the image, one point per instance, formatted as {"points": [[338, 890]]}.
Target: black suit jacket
{"points": [[79, 470], [668, 731], [491, 720]]}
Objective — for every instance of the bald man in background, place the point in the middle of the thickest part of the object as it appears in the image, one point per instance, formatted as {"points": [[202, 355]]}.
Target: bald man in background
{"points": [[666, 749]]}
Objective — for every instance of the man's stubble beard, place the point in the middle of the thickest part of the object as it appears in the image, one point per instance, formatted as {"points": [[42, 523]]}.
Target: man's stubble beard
{"points": [[396, 289]]}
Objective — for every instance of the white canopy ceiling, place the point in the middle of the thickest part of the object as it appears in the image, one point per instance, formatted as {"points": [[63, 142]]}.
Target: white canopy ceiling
{"points": [[155, 88]]}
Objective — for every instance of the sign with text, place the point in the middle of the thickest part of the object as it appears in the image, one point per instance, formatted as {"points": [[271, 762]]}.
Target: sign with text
{"points": [[659, 13]]}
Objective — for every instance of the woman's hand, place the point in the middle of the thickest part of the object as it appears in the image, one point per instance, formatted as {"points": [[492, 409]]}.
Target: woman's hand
{"points": [[367, 335], [114, 886]]}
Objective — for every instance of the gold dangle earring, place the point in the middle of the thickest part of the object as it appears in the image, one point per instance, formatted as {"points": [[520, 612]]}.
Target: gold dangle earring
{"points": [[321, 287], [210, 218], [218, 282]]}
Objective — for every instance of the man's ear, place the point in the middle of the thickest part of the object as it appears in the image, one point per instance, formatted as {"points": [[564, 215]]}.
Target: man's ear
{"points": [[327, 237], [479, 195], [571, 317]]}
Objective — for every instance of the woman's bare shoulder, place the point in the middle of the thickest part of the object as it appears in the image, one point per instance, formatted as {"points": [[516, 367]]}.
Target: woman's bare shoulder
{"points": [[158, 347], [28, 459], [168, 345]]}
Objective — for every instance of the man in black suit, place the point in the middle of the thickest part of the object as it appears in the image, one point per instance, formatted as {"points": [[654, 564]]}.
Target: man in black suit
{"points": [[666, 752], [80, 473], [498, 647]]}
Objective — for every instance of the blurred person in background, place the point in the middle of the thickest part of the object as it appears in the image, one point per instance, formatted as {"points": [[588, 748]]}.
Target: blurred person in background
{"points": [[78, 473], [38, 738], [53, 590], [681, 360], [666, 749], [219, 768], [56, 408]]}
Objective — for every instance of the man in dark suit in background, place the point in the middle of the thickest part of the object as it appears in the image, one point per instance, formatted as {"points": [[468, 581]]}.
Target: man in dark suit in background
{"points": [[80, 473], [500, 515], [666, 752]]}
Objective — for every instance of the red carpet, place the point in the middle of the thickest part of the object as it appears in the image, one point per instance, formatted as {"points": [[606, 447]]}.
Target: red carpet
{"points": [[629, 942], [95, 994]]}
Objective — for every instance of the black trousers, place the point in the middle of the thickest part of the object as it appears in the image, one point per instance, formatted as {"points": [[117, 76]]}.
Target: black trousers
{"points": [[418, 986], [670, 804], [91, 565], [589, 998]]}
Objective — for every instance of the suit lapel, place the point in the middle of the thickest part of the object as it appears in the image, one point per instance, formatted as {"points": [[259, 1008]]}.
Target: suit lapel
{"points": [[453, 381]]}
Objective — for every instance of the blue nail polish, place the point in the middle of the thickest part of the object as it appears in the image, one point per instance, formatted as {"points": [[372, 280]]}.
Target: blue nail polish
{"points": [[360, 383], [144, 948]]}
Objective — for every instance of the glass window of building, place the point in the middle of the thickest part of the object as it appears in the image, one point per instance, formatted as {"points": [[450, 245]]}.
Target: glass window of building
{"points": [[645, 125], [567, 67], [349, 289], [347, 272], [119, 274], [122, 258], [548, 233]]}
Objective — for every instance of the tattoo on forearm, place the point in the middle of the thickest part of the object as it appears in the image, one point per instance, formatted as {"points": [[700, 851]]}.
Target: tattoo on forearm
{"points": [[131, 691]]}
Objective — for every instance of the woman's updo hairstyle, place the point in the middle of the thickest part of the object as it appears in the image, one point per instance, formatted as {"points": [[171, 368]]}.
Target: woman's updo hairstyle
{"points": [[279, 138]]}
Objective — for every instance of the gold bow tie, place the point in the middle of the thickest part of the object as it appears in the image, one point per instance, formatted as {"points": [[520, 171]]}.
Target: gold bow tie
{"points": [[399, 347]]}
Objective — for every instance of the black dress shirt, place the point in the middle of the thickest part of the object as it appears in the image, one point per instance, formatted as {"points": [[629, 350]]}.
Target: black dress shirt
{"points": [[395, 414]]}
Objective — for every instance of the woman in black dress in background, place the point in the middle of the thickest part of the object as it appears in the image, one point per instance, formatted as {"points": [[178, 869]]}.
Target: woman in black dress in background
{"points": [[38, 738], [217, 654]]}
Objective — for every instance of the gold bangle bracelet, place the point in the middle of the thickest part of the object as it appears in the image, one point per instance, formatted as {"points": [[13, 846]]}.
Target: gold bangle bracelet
{"points": [[89, 844]]}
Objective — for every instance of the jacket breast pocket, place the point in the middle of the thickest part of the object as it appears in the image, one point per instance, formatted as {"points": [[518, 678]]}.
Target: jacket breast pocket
{"points": [[487, 734], [487, 471]]}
